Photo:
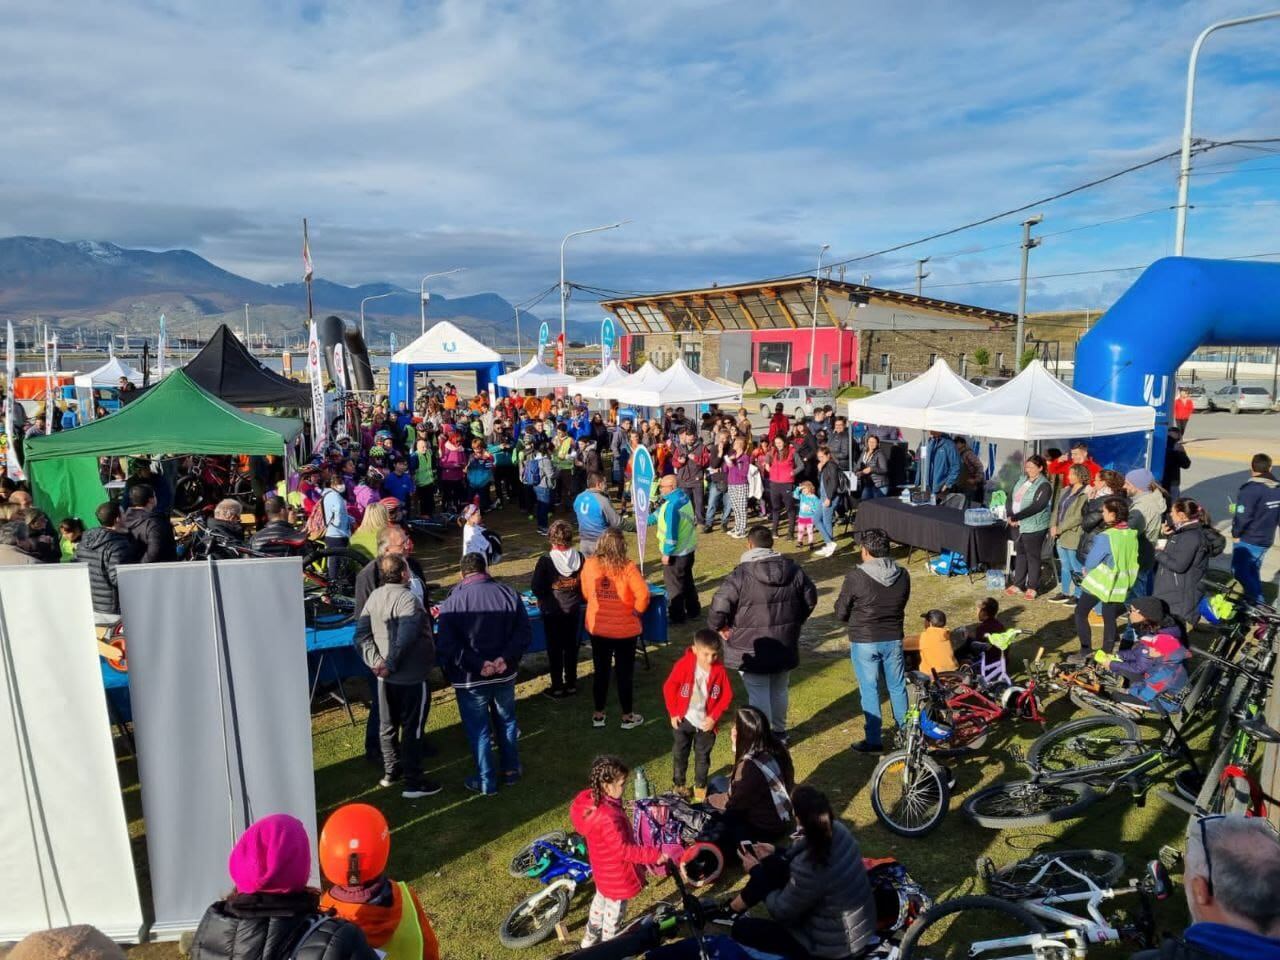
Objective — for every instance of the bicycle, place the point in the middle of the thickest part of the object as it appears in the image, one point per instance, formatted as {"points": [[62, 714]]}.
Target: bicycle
{"points": [[1039, 889], [207, 479], [558, 861], [1088, 686], [1208, 684], [970, 706], [1075, 764], [910, 790]]}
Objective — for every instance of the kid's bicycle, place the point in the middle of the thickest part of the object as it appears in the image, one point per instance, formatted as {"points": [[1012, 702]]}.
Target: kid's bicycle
{"points": [[558, 861], [1046, 907]]}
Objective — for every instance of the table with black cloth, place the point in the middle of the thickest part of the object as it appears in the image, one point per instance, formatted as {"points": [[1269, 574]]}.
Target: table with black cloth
{"points": [[935, 529]]}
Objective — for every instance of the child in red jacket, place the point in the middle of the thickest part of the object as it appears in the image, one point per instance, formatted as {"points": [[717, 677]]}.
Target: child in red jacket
{"points": [[597, 814], [697, 695]]}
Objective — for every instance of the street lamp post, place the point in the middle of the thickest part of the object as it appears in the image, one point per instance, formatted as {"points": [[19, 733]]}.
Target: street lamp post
{"points": [[1027, 244], [1184, 168], [363, 302], [817, 289], [920, 274], [424, 296], [519, 352], [564, 293]]}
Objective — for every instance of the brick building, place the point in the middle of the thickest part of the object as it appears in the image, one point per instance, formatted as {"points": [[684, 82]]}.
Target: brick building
{"points": [[767, 331]]}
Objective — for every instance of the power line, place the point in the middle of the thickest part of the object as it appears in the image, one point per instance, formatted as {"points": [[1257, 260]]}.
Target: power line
{"points": [[1079, 273]]}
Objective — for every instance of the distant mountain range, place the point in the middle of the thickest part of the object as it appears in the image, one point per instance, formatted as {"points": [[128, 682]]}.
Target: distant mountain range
{"points": [[89, 285]]}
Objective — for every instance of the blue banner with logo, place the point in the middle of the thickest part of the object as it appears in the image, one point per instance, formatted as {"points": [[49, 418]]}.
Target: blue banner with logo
{"points": [[544, 334], [608, 339], [641, 489]]}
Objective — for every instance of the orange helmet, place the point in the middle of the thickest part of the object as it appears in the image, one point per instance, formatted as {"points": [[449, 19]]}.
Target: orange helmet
{"points": [[354, 845]]}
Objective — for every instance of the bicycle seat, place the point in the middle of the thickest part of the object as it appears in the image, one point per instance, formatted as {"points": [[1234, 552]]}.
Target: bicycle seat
{"points": [[1257, 728]]}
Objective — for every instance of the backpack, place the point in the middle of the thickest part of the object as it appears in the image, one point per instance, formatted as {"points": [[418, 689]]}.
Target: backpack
{"points": [[529, 471], [899, 899], [316, 523], [669, 823], [843, 484]]}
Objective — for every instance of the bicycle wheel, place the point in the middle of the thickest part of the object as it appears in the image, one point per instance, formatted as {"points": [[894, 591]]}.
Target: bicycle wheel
{"points": [[330, 582], [188, 494], [1234, 796], [1084, 743], [957, 930], [1047, 871], [242, 490], [1200, 686], [529, 862], [1024, 803], [910, 801], [534, 919]]}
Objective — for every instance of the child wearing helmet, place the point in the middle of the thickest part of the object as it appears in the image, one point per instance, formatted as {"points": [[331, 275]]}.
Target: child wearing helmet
{"points": [[354, 847]]}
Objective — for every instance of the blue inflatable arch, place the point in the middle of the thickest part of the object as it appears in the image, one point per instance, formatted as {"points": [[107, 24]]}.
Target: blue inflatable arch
{"points": [[1178, 304]]}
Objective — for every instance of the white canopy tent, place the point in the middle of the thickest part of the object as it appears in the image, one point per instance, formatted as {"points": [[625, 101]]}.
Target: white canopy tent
{"points": [[535, 375], [1036, 405], [907, 406], [675, 385], [109, 374], [610, 376]]}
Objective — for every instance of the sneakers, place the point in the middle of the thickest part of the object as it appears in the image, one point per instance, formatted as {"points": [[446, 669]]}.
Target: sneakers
{"points": [[826, 551], [681, 791], [735, 535], [630, 722], [699, 794], [1063, 599], [511, 777], [475, 786], [423, 788], [554, 693], [598, 720], [862, 746], [389, 780]]}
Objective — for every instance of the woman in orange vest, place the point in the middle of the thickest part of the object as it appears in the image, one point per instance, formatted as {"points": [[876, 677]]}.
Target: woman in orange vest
{"points": [[354, 846]]}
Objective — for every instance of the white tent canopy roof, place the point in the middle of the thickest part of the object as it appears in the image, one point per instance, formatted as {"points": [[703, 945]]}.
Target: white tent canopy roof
{"points": [[109, 374], [907, 406], [535, 375], [1036, 405], [445, 343], [675, 385], [610, 376]]}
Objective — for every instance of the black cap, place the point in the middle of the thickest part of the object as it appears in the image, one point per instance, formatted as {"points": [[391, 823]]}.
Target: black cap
{"points": [[1152, 608]]}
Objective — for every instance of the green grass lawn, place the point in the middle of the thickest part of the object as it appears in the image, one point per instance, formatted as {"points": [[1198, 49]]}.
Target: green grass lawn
{"points": [[454, 847]]}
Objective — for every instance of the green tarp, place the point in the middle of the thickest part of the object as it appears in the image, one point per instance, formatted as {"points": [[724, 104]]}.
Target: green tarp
{"points": [[174, 417]]}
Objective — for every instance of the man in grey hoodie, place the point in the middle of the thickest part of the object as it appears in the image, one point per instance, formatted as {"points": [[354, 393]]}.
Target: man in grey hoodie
{"points": [[873, 601], [393, 636]]}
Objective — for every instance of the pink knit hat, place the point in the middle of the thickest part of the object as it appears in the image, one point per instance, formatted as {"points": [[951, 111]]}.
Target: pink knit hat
{"points": [[273, 856]]}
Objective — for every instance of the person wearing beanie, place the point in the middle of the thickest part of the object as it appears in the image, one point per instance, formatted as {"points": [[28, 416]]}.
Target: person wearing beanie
{"points": [[272, 914], [1147, 508], [81, 942]]}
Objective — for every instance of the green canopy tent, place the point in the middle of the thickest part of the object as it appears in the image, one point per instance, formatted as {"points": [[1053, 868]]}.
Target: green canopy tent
{"points": [[177, 416]]}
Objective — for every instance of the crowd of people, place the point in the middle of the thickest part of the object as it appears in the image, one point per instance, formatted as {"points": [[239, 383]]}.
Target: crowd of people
{"points": [[1124, 544]]}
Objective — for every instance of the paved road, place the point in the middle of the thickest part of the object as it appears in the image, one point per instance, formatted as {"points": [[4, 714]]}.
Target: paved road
{"points": [[1220, 447]]}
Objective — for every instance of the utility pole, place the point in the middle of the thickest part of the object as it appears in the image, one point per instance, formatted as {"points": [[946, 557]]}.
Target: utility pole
{"points": [[1184, 168], [920, 274], [813, 329], [1027, 244]]}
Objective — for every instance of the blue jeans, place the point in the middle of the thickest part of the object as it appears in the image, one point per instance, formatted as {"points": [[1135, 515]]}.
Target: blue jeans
{"points": [[1068, 563], [868, 658], [868, 491], [1246, 566], [473, 705], [825, 522], [717, 498]]}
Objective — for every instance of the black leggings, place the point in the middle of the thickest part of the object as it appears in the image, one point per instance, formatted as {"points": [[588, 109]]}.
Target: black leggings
{"points": [[1110, 611], [562, 648], [608, 654], [1026, 562], [780, 501]]}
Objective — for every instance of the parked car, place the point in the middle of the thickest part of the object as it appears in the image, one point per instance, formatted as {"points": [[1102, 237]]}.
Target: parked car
{"points": [[792, 397], [989, 383], [1236, 398], [1199, 396]]}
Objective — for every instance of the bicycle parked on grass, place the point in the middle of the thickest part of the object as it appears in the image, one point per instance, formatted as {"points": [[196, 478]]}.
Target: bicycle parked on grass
{"points": [[558, 860], [1045, 907], [1075, 764]]}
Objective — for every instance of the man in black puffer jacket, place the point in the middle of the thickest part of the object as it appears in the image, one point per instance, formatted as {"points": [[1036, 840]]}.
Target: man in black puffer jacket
{"points": [[272, 915], [759, 609], [104, 549], [150, 530]]}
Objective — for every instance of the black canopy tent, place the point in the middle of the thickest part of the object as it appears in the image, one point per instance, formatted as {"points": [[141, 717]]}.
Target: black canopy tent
{"points": [[226, 368]]}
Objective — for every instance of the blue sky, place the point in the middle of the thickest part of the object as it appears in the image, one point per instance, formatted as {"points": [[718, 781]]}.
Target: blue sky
{"points": [[738, 137]]}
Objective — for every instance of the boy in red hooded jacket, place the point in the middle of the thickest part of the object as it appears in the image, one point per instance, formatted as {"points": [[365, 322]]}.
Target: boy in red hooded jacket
{"points": [[598, 815], [697, 694]]}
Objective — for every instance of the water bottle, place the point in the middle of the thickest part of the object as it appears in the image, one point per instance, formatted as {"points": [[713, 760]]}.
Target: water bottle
{"points": [[642, 788]]}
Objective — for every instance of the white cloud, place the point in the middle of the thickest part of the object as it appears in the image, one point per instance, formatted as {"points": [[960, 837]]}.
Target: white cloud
{"points": [[422, 136]]}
